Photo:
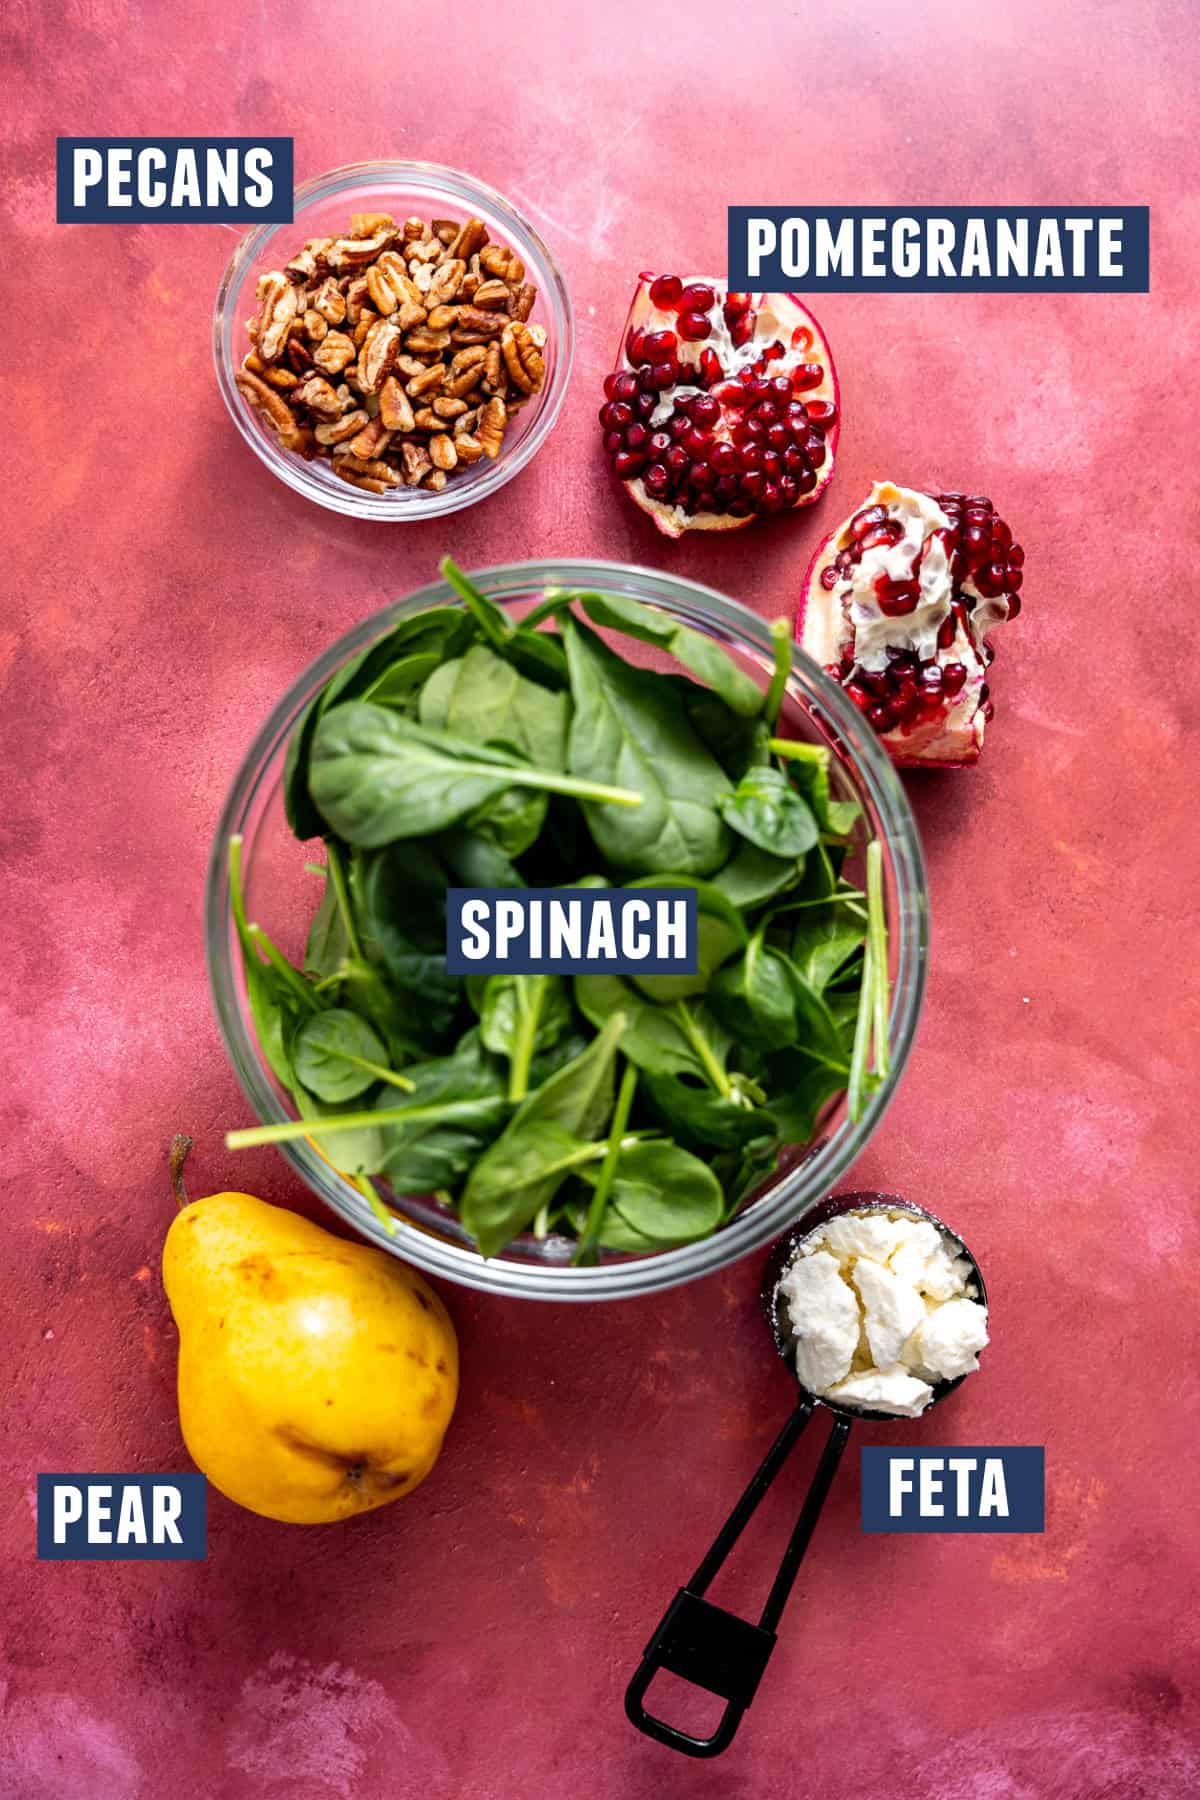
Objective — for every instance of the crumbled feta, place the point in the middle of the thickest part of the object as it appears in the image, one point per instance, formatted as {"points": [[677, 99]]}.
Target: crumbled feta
{"points": [[892, 1310], [891, 1390], [824, 1317], [882, 1308], [947, 1342]]}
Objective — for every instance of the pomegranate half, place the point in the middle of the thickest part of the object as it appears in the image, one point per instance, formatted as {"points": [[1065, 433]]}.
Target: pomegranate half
{"points": [[897, 605], [723, 406]]}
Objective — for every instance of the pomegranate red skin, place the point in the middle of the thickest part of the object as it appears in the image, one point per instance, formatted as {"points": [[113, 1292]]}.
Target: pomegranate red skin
{"points": [[959, 686], [754, 499]]}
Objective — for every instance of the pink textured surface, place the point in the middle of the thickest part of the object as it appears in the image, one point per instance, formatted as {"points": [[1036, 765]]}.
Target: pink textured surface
{"points": [[473, 1641]]}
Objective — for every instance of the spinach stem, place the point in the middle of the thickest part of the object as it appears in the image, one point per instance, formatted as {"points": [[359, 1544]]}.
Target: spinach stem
{"points": [[697, 1040], [586, 1250], [528, 1012], [798, 750], [285, 1131], [493, 623], [303, 989], [781, 631], [862, 1041], [337, 876], [556, 600], [877, 938], [575, 785], [366, 1188], [373, 1068]]}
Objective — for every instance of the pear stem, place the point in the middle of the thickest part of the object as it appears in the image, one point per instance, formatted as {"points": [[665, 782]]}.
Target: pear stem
{"points": [[180, 1146]]}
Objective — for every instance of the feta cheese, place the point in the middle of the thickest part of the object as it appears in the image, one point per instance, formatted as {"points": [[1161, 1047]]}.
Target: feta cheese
{"points": [[923, 1257], [892, 1310], [863, 1234], [891, 1390], [824, 1316], [947, 1342]]}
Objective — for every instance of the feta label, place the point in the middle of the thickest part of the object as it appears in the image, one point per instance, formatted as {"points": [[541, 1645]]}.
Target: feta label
{"points": [[970, 1488]]}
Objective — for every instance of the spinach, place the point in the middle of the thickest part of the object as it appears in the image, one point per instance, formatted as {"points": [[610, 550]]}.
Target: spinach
{"points": [[703, 656], [377, 776], [461, 748], [765, 809], [505, 1190], [626, 728]]}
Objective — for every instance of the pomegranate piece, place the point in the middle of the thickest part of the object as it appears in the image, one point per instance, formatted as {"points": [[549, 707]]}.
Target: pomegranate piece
{"points": [[723, 408], [897, 604]]}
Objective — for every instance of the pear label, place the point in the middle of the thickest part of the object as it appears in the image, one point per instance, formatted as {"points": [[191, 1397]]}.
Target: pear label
{"points": [[122, 1518]]}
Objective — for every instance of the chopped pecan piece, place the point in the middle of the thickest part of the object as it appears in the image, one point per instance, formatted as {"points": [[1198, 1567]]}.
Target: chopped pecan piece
{"points": [[467, 448], [330, 301], [502, 263], [416, 463], [379, 351], [372, 224], [394, 407], [337, 431], [276, 310], [471, 238], [428, 381], [334, 353], [316, 393], [492, 421], [447, 279], [277, 413], [442, 451], [492, 296]]}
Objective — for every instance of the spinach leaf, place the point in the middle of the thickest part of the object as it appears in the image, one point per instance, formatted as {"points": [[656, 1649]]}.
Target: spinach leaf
{"points": [[355, 1151], [799, 1090], [484, 700], [720, 934], [752, 876], [535, 653], [456, 1107], [628, 728], [822, 944], [327, 945], [377, 776], [765, 809], [399, 896], [504, 1191], [513, 820], [475, 860], [737, 743], [662, 1193], [702, 655], [698, 1116], [401, 680], [520, 1015], [678, 1039], [755, 997], [337, 1056]]}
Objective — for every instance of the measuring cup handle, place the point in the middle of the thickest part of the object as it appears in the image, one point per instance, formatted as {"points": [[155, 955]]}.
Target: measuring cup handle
{"points": [[714, 1649]]}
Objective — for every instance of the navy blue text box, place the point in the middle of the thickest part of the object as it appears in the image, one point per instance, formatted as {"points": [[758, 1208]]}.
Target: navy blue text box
{"points": [[940, 249], [539, 931], [170, 181], [966, 1487], [122, 1518]]}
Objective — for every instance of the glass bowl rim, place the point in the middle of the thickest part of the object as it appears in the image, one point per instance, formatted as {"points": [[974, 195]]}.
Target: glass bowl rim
{"points": [[292, 470], [767, 1217]]}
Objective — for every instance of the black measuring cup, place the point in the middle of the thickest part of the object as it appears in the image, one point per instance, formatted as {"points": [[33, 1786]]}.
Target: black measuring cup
{"points": [[702, 1643]]}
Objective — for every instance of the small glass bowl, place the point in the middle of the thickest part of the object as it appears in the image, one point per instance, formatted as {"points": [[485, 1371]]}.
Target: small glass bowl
{"points": [[322, 209], [282, 898]]}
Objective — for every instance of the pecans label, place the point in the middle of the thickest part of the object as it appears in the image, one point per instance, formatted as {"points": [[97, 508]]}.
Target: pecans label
{"points": [[170, 181]]}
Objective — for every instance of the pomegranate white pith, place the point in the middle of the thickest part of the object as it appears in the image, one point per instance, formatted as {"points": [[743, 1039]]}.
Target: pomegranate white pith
{"points": [[723, 406], [897, 604]]}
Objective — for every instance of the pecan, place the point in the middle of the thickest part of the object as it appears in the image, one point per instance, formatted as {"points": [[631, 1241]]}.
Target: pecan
{"points": [[394, 408], [428, 381], [308, 262], [276, 310], [445, 229], [335, 353], [357, 252], [537, 336], [298, 354], [276, 412], [467, 421], [467, 448], [416, 463], [465, 371], [374, 466], [422, 341], [276, 376], [523, 301], [408, 366], [447, 279], [472, 237], [435, 481], [358, 296], [372, 440], [502, 263], [358, 480], [441, 318], [367, 319], [425, 419], [471, 283], [442, 451], [378, 353], [319, 397], [449, 409], [522, 358], [414, 230], [493, 369], [383, 296], [315, 325], [492, 296], [336, 431], [329, 301], [492, 421], [369, 225], [425, 252], [486, 324]]}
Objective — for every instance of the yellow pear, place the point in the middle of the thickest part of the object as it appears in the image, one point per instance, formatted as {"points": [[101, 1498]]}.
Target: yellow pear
{"points": [[316, 1377]]}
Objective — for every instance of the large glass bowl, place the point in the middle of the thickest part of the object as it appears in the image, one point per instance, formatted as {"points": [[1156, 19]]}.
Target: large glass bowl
{"points": [[322, 209], [281, 897]]}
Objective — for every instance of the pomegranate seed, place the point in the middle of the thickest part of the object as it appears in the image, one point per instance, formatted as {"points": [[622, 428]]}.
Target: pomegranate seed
{"points": [[657, 480], [980, 500], [613, 441], [773, 352], [806, 481], [931, 678], [637, 437], [767, 412], [946, 632], [710, 367], [753, 455], [821, 412], [989, 712], [1014, 605], [643, 406], [772, 465], [829, 577], [618, 415], [1015, 578], [794, 459], [882, 716], [802, 339], [790, 489], [735, 305], [753, 482], [778, 437], [733, 395], [758, 389], [807, 375], [699, 297], [725, 459], [845, 562], [701, 475], [815, 450], [889, 533], [678, 424], [772, 499], [1001, 538], [625, 385], [633, 345], [863, 521], [628, 463], [693, 326], [705, 411], [991, 580], [664, 376], [781, 388], [696, 442], [742, 329], [754, 428], [660, 346], [896, 598], [1016, 557], [954, 677], [677, 462], [858, 694], [660, 441], [665, 292], [726, 487]]}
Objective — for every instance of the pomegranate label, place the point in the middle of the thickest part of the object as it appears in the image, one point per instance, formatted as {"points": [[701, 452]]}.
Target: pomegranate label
{"points": [[572, 931], [947, 249]]}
